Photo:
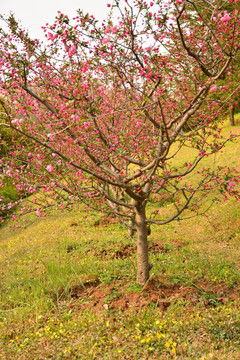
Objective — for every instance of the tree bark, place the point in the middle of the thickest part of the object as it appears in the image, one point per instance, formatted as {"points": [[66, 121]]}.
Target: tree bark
{"points": [[142, 245], [231, 116]]}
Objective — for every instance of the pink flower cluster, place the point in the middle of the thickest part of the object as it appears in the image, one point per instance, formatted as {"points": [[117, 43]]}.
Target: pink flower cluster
{"points": [[112, 30], [39, 213], [213, 88], [50, 168], [51, 36], [223, 18], [226, 17], [105, 40], [17, 121], [72, 50], [86, 124]]}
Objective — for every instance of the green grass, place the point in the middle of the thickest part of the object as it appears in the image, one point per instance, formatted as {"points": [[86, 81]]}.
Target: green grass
{"points": [[67, 288]]}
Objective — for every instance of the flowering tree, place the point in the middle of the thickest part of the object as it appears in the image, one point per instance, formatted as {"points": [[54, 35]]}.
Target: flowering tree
{"points": [[106, 110]]}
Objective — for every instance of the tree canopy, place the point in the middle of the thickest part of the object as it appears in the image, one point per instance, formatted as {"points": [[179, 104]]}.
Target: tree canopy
{"points": [[106, 110]]}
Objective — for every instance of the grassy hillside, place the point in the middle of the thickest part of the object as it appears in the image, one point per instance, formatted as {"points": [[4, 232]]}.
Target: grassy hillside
{"points": [[68, 290]]}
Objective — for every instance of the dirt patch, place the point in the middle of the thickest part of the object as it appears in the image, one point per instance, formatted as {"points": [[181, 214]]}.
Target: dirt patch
{"points": [[106, 221], [220, 293], [161, 297], [118, 296], [126, 250], [123, 252], [157, 248], [78, 290]]}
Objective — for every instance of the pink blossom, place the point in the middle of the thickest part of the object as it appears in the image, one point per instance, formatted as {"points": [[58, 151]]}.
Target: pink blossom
{"points": [[50, 36], [114, 29], [10, 205], [50, 136], [226, 17], [72, 50], [50, 168], [213, 88], [86, 124], [17, 121], [38, 211], [75, 117], [105, 40]]}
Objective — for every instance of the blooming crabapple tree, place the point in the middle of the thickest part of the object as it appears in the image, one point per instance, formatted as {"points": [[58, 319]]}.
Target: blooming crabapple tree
{"points": [[107, 110]]}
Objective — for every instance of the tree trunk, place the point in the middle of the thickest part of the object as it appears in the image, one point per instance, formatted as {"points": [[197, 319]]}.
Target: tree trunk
{"points": [[231, 116], [142, 245]]}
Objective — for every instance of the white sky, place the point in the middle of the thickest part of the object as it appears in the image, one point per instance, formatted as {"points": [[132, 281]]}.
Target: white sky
{"points": [[36, 13]]}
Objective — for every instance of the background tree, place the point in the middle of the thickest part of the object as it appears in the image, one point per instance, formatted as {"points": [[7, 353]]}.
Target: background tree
{"points": [[233, 89], [8, 192], [233, 80], [103, 109]]}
